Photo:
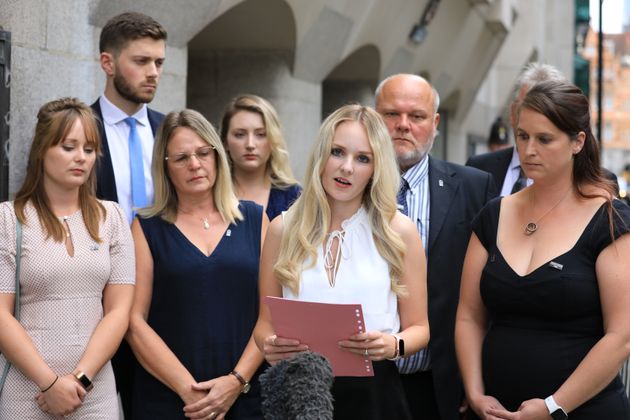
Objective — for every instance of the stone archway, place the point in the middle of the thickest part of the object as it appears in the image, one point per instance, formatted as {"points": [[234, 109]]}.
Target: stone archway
{"points": [[352, 80]]}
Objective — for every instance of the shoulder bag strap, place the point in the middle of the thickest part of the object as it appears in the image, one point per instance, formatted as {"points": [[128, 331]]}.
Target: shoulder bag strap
{"points": [[16, 308]]}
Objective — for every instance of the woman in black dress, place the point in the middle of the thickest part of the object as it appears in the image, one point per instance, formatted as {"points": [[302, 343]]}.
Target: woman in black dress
{"points": [[542, 326]]}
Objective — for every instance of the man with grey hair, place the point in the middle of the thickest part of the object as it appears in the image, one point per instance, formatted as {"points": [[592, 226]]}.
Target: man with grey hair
{"points": [[504, 165], [441, 198]]}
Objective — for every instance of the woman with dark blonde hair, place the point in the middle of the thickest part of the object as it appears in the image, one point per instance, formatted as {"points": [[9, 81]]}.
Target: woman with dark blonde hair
{"points": [[76, 277], [343, 241], [196, 304], [542, 324], [252, 135]]}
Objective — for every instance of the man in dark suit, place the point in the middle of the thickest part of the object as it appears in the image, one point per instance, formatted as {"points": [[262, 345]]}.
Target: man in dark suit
{"points": [[132, 48], [495, 163], [442, 198], [504, 165]]}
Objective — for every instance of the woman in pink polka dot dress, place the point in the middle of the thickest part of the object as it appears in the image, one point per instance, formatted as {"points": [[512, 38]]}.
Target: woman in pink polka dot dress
{"points": [[77, 277]]}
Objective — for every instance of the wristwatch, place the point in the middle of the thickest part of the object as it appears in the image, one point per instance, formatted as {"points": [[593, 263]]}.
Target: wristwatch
{"points": [[555, 411], [400, 347], [86, 382], [246, 385]]}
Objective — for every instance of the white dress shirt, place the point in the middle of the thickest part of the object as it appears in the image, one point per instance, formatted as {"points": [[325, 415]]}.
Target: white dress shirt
{"points": [[117, 132], [512, 174]]}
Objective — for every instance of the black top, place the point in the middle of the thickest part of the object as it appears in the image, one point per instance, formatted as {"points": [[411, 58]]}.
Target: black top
{"points": [[281, 199], [543, 324]]}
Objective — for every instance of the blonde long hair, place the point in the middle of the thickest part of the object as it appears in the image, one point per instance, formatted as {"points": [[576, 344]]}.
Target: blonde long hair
{"points": [[278, 168], [166, 200], [308, 220], [54, 121]]}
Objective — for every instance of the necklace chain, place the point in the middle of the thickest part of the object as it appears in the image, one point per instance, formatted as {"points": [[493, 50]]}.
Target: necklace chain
{"points": [[532, 226], [204, 220]]}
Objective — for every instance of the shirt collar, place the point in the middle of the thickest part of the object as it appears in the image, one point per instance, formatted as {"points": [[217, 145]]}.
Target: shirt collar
{"points": [[113, 115], [417, 173]]}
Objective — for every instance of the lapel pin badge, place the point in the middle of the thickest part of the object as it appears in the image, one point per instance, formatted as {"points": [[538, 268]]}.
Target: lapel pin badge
{"points": [[441, 183], [228, 233], [555, 265]]}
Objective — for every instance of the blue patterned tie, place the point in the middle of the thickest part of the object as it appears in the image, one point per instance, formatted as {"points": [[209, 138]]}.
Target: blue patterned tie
{"points": [[402, 196], [421, 360], [138, 192]]}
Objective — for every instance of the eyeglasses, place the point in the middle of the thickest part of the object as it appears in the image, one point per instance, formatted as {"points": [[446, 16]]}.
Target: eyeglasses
{"points": [[184, 159]]}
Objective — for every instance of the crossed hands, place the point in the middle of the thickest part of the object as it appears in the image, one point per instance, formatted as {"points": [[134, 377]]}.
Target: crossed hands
{"points": [[63, 398], [489, 408], [211, 399]]}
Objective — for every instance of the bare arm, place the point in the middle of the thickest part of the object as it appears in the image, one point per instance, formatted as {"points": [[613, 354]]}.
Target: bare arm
{"points": [[603, 361], [223, 391], [412, 308], [470, 328], [109, 332], [17, 347], [151, 351], [274, 349], [414, 321]]}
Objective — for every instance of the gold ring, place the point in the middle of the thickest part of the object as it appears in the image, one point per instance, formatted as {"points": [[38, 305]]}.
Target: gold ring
{"points": [[212, 415], [367, 352], [273, 341]]}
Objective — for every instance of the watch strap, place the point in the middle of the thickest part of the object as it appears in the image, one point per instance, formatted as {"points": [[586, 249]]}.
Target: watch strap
{"points": [[555, 411], [244, 383], [86, 382]]}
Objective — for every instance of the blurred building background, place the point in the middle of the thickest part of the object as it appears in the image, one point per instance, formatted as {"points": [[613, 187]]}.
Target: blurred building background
{"points": [[306, 56], [615, 135]]}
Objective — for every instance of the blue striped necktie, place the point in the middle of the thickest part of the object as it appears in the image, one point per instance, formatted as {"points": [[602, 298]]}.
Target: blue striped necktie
{"points": [[402, 197], [421, 360], [138, 191]]}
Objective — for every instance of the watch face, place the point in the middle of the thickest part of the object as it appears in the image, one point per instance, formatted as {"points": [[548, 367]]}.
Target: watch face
{"points": [[246, 388], [401, 347], [559, 414]]}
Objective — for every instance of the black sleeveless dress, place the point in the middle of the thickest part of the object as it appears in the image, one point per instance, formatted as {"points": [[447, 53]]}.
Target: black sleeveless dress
{"points": [[543, 324], [204, 308]]}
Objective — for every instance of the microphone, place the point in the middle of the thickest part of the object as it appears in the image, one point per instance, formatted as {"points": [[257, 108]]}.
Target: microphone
{"points": [[298, 388]]}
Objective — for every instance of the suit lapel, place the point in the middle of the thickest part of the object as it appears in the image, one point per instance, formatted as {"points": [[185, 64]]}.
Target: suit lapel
{"points": [[105, 180], [443, 185]]}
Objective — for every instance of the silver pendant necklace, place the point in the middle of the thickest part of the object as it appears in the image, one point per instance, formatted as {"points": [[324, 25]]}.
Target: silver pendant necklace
{"points": [[531, 227]]}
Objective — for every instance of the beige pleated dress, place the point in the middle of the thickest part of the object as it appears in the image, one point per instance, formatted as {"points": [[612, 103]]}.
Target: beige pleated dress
{"points": [[61, 299]]}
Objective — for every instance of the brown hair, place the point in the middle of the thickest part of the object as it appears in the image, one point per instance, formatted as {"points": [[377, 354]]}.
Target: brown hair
{"points": [[129, 26], [567, 108], [54, 121]]}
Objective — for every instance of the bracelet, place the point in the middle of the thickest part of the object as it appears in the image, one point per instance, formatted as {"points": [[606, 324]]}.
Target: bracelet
{"points": [[396, 349], [51, 385]]}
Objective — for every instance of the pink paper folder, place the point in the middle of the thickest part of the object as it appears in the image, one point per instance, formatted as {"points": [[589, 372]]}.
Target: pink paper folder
{"points": [[321, 326]]}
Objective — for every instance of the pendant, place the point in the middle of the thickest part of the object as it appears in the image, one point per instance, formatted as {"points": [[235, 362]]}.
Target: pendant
{"points": [[530, 228], [206, 225]]}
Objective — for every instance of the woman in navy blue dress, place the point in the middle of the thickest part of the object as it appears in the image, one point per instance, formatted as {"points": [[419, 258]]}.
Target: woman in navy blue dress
{"points": [[251, 133], [542, 325], [196, 300]]}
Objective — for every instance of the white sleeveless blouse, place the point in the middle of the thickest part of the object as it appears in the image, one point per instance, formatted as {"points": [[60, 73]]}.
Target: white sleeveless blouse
{"points": [[362, 277]]}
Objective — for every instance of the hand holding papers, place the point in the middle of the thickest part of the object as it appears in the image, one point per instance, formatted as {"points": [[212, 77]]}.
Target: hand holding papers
{"points": [[321, 326]]}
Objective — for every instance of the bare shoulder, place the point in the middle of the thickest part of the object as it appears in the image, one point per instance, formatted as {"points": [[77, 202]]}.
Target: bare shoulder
{"points": [[276, 228], [403, 225]]}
